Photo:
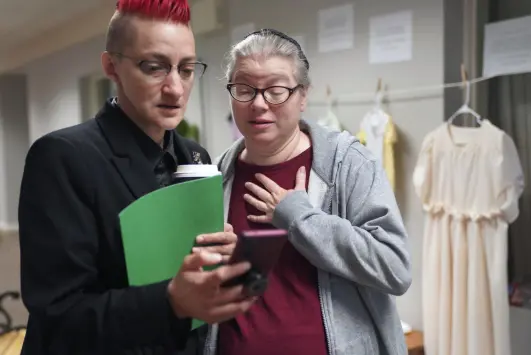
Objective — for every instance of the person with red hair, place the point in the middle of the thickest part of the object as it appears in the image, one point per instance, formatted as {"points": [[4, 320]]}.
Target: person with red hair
{"points": [[77, 180]]}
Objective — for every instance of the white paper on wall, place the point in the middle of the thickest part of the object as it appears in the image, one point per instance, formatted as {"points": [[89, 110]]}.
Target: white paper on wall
{"points": [[238, 33], [336, 28], [391, 38], [507, 48]]}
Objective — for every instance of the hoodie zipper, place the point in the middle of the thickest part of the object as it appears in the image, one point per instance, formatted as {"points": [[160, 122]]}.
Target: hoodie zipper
{"points": [[326, 319], [335, 211], [324, 315]]}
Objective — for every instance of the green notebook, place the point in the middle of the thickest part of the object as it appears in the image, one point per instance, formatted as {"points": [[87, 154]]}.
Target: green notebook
{"points": [[159, 229]]}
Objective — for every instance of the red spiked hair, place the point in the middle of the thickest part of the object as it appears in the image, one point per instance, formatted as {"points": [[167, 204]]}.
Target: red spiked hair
{"points": [[174, 10]]}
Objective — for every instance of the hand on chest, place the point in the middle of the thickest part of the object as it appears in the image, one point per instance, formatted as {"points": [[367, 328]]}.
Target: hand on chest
{"points": [[256, 191]]}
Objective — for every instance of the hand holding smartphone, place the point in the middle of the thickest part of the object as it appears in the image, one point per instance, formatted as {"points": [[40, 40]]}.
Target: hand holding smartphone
{"points": [[262, 249]]}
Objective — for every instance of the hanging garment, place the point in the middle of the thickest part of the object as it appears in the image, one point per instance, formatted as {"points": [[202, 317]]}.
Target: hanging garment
{"points": [[330, 121], [378, 134], [469, 181]]}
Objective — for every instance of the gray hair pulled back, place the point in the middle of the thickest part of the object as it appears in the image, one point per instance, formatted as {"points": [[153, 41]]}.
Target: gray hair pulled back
{"points": [[270, 43]]}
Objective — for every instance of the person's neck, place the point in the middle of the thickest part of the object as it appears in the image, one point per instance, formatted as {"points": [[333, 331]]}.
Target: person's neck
{"points": [[290, 148], [155, 133]]}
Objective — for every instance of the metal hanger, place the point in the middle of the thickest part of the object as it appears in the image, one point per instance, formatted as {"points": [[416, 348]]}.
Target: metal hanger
{"points": [[465, 109]]}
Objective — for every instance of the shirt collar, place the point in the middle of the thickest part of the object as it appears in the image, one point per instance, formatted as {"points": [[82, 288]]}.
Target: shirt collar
{"points": [[153, 151]]}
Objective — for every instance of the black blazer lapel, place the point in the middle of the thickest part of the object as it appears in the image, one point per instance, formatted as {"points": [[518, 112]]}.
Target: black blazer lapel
{"points": [[138, 176], [131, 163]]}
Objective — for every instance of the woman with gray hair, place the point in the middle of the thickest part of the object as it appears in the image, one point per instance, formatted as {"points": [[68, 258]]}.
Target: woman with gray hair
{"points": [[331, 289]]}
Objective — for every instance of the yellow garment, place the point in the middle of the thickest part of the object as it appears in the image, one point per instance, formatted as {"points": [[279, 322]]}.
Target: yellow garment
{"points": [[11, 343], [388, 160]]}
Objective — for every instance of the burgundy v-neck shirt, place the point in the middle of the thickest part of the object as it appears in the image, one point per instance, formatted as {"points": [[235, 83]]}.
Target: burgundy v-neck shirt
{"points": [[287, 319]]}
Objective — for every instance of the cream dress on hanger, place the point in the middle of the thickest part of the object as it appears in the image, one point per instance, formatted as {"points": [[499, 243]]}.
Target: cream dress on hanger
{"points": [[469, 181]]}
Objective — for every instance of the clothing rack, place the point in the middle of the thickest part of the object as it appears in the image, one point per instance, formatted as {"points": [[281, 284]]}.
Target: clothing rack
{"points": [[396, 95]]}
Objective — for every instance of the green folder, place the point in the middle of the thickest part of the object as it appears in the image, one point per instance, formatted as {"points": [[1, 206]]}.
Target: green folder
{"points": [[159, 229]]}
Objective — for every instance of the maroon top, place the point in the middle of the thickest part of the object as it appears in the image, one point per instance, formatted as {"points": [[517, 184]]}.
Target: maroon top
{"points": [[287, 319]]}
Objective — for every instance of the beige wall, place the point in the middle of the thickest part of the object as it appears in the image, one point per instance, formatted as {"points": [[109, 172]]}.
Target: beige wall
{"points": [[53, 89]]}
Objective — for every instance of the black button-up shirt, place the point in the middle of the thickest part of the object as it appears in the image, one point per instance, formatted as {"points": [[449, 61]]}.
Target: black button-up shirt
{"points": [[164, 159], [167, 161]]}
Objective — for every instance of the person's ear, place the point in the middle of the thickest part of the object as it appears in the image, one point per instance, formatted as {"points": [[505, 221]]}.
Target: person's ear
{"points": [[109, 67]]}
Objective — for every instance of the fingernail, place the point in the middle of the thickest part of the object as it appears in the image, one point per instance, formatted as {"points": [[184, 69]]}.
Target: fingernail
{"points": [[245, 265], [215, 258], [195, 250], [200, 238]]}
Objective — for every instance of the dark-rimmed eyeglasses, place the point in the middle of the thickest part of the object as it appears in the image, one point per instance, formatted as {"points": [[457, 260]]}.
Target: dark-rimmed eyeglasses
{"points": [[274, 95], [158, 70]]}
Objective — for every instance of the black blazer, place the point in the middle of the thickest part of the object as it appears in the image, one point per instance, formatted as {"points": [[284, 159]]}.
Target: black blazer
{"points": [[74, 282]]}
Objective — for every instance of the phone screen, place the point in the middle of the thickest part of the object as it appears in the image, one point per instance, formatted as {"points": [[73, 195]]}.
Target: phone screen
{"points": [[262, 249]]}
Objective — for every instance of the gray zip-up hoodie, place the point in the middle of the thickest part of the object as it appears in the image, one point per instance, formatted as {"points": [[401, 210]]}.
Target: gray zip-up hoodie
{"points": [[348, 225]]}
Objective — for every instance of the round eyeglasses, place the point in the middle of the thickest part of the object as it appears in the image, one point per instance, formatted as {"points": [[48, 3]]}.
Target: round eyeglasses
{"points": [[158, 70], [274, 95]]}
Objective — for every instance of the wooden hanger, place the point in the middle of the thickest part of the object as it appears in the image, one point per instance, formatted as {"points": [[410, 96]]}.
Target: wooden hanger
{"points": [[378, 97], [379, 85], [328, 96], [328, 92], [464, 77]]}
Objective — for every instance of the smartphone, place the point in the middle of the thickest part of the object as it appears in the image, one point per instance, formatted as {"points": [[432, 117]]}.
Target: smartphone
{"points": [[262, 249]]}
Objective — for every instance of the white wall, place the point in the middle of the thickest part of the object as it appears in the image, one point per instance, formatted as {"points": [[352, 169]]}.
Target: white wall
{"points": [[216, 103], [53, 89], [3, 198], [13, 108], [13, 145], [53, 86]]}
